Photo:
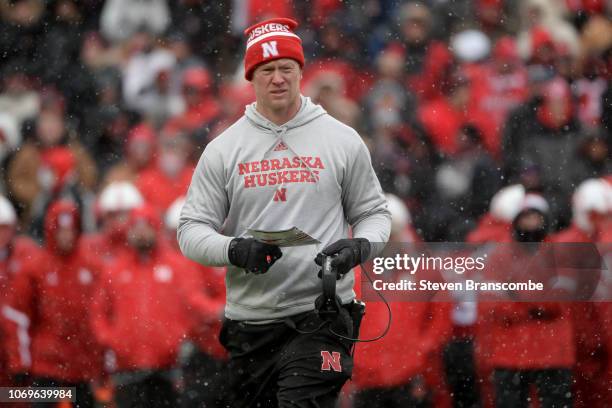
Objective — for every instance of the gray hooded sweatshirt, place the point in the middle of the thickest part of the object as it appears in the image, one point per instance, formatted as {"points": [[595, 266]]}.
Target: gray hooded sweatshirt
{"points": [[313, 173]]}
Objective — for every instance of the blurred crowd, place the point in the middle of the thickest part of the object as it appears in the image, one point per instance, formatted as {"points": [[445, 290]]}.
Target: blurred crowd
{"points": [[470, 109]]}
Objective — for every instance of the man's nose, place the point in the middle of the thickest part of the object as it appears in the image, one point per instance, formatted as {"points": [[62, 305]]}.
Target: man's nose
{"points": [[277, 76]]}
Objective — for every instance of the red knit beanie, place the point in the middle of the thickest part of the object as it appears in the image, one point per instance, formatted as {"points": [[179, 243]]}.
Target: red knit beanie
{"points": [[271, 40]]}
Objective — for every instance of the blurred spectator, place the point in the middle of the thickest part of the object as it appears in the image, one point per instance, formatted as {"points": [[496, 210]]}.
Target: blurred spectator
{"points": [[502, 84], [465, 183], [106, 132], [58, 49], [592, 83], [21, 29], [388, 104], [121, 19], [442, 117], [16, 252], [49, 303], [527, 342], [495, 225], [404, 160], [139, 314], [10, 139], [140, 153], [97, 55], [591, 203], [549, 146], [169, 177], [233, 98], [495, 17], [200, 109], [594, 158], [185, 58], [205, 364], [49, 167], [18, 98], [428, 61], [143, 67], [384, 375], [337, 57], [211, 41], [544, 25], [113, 208], [327, 90], [518, 120], [465, 358]]}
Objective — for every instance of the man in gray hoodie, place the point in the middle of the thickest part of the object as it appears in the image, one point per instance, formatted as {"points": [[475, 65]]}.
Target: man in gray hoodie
{"points": [[286, 163]]}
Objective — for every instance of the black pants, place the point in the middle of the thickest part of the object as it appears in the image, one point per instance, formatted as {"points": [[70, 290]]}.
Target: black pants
{"points": [[395, 397], [274, 365], [460, 368], [554, 388], [153, 391], [205, 382], [84, 396]]}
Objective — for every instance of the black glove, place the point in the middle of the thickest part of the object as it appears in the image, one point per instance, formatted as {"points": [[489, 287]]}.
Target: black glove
{"points": [[252, 255], [347, 253]]}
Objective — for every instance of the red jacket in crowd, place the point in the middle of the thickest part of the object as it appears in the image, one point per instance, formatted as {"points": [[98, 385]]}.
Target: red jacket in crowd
{"points": [[490, 229], [160, 190], [48, 309], [356, 82], [15, 258], [105, 246], [524, 335], [442, 122], [427, 84], [605, 308], [418, 331], [589, 335], [138, 311], [204, 292]]}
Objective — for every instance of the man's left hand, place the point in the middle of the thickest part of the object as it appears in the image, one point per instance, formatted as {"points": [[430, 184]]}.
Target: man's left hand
{"points": [[346, 253]]}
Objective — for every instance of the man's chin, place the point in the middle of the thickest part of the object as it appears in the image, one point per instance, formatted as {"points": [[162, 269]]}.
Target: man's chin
{"points": [[279, 104]]}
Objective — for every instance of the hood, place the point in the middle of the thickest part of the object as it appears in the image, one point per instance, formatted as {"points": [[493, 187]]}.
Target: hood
{"points": [[307, 113], [64, 212]]}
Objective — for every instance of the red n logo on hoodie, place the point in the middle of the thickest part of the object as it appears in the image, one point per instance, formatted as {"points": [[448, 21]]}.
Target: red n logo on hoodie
{"points": [[280, 194], [330, 361]]}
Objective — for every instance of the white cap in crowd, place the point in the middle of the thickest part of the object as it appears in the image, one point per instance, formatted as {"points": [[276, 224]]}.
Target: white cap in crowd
{"points": [[507, 202], [119, 196], [400, 216], [533, 201], [470, 45], [592, 195], [171, 220], [7, 212]]}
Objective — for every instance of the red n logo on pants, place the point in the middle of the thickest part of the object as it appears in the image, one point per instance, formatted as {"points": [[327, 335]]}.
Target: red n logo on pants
{"points": [[330, 361], [280, 194]]}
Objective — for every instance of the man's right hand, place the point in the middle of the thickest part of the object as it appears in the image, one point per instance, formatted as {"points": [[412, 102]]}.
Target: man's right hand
{"points": [[254, 256]]}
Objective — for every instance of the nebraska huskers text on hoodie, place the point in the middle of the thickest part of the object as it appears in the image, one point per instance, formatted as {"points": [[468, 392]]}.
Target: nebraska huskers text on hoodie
{"points": [[313, 173]]}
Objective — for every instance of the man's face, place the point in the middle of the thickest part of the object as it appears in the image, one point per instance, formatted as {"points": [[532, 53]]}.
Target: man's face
{"points": [[115, 222], [142, 236], [277, 83], [66, 238]]}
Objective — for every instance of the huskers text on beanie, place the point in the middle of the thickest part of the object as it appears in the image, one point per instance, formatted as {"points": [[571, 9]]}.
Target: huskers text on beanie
{"points": [[271, 40]]}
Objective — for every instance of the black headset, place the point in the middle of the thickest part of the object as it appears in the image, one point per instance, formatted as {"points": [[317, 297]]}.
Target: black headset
{"points": [[328, 306]]}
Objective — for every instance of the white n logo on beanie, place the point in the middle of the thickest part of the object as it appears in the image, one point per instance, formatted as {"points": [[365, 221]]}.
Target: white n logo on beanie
{"points": [[269, 49]]}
